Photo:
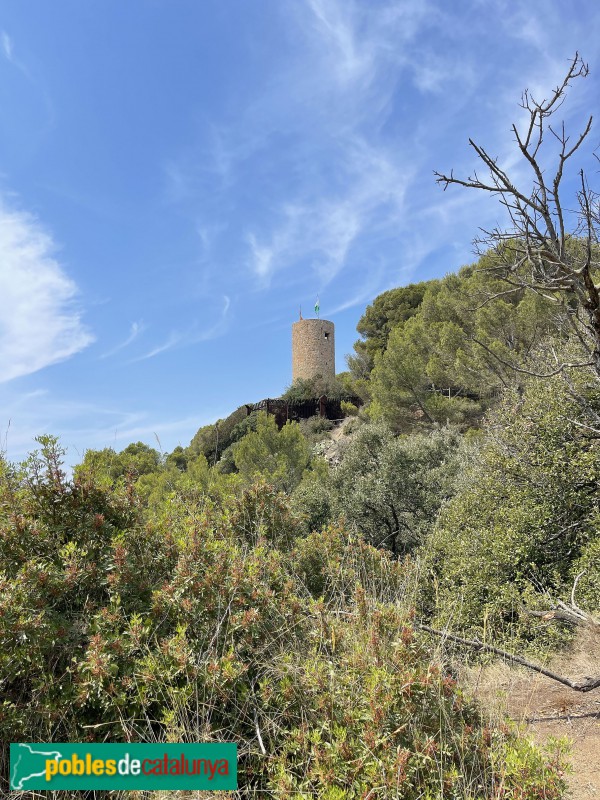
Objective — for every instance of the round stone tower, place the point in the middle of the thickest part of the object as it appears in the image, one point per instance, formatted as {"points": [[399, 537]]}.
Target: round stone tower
{"points": [[313, 349]]}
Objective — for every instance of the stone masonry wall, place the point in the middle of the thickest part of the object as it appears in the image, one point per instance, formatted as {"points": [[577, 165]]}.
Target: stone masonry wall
{"points": [[313, 349]]}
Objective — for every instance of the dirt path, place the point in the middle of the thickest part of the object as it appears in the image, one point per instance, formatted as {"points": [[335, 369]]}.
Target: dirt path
{"points": [[550, 710]]}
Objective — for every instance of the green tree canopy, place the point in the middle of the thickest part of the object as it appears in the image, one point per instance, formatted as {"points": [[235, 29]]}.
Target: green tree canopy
{"points": [[212, 440], [278, 456], [525, 513], [391, 487], [388, 310], [311, 388], [456, 353], [134, 460]]}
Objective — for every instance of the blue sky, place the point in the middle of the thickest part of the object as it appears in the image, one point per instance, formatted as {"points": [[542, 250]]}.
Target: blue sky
{"points": [[178, 177]]}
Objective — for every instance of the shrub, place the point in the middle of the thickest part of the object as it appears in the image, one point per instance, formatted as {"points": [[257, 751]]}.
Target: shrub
{"points": [[214, 625], [310, 388], [391, 487], [314, 427], [524, 519], [312, 499], [587, 567], [212, 440], [280, 456], [349, 409], [352, 425]]}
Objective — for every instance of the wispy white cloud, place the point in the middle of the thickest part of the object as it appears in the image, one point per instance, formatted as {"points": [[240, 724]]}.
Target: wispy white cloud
{"points": [[324, 228], [7, 46], [8, 50], [340, 142], [359, 57], [83, 425], [136, 329], [336, 24], [366, 292], [335, 182], [174, 338], [357, 42], [40, 322], [264, 254], [192, 335], [216, 330]]}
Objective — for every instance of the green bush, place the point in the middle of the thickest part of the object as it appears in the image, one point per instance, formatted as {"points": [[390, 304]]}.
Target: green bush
{"points": [[363, 708], [279, 456], [524, 520], [315, 427], [331, 564], [349, 409], [218, 623], [212, 440], [317, 386], [586, 570], [352, 425], [390, 487], [312, 499]]}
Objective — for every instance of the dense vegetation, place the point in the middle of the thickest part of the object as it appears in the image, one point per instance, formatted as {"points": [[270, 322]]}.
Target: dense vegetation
{"points": [[219, 619], [246, 588], [278, 587]]}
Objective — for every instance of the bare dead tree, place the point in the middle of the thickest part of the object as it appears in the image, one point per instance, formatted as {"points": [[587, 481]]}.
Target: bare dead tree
{"points": [[547, 247]]}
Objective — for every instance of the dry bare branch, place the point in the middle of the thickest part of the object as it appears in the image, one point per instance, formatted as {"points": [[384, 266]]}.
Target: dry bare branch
{"points": [[540, 251], [579, 686]]}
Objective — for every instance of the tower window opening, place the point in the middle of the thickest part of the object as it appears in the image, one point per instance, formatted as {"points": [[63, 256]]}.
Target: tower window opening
{"points": [[326, 335]]}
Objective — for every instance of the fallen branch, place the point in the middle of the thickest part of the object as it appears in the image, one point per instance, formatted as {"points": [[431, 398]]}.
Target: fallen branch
{"points": [[557, 615], [571, 614], [584, 686]]}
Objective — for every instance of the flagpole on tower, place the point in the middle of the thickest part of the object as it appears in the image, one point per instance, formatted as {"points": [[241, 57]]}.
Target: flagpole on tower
{"points": [[317, 307]]}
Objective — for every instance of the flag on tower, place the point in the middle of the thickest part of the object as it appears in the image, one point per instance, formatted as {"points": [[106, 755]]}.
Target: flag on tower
{"points": [[317, 306]]}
